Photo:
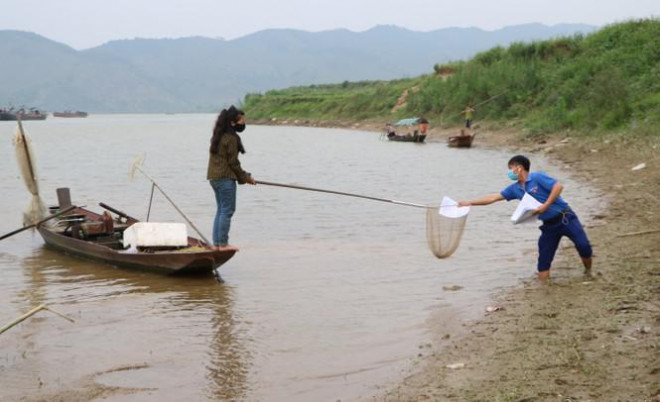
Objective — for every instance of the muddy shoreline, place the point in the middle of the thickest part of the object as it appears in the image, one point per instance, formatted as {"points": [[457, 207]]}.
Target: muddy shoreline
{"points": [[579, 338]]}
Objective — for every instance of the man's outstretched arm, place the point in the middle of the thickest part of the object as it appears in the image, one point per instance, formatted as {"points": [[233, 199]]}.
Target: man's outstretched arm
{"points": [[485, 200]]}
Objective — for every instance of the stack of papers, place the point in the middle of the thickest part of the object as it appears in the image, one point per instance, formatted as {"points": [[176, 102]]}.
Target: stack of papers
{"points": [[525, 209]]}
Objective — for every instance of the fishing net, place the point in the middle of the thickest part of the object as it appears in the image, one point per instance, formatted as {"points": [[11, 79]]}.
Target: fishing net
{"points": [[137, 164], [26, 164], [444, 227]]}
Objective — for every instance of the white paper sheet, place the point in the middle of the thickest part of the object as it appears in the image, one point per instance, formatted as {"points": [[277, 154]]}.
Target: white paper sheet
{"points": [[525, 209], [450, 208]]}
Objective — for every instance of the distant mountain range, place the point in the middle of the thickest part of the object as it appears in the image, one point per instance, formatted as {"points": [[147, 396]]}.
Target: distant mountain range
{"points": [[202, 74]]}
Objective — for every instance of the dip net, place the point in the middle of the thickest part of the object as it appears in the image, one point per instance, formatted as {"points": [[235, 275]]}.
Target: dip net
{"points": [[444, 227], [26, 164]]}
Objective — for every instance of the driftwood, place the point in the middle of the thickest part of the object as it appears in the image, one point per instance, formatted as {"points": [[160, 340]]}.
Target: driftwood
{"points": [[30, 314], [643, 232]]}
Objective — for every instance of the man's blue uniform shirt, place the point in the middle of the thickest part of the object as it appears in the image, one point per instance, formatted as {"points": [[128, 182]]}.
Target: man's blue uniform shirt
{"points": [[538, 185]]}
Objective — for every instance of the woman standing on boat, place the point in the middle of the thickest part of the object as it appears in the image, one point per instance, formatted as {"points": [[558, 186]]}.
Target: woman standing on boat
{"points": [[225, 170]]}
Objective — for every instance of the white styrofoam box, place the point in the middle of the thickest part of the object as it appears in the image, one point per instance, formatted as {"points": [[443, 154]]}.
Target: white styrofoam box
{"points": [[155, 234]]}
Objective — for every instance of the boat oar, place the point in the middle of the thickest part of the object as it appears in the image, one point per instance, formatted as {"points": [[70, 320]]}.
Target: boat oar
{"points": [[410, 204], [71, 208]]}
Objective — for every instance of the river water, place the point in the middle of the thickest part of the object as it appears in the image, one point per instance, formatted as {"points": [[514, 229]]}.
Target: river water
{"points": [[330, 297]]}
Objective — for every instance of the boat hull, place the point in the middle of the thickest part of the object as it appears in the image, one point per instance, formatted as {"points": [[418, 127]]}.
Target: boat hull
{"points": [[13, 116], [160, 262], [407, 138], [198, 259], [70, 114], [460, 141]]}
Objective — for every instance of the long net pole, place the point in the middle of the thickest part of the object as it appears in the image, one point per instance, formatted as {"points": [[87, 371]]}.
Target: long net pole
{"points": [[410, 204]]}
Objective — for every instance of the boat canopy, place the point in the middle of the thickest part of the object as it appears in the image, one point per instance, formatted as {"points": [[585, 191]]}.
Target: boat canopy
{"points": [[407, 122]]}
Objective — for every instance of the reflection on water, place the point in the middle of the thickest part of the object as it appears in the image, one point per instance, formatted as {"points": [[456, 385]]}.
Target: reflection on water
{"points": [[329, 297], [178, 321]]}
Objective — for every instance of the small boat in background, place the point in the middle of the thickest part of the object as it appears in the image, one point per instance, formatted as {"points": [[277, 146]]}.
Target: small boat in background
{"points": [[69, 113], [418, 135], [12, 114], [415, 137], [123, 241], [463, 140]]}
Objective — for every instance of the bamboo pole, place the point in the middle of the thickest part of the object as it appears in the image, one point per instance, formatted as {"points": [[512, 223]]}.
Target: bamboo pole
{"points": [[173, 204], [30, 314], [151, 200], [22, 318], [639, 233], [484, 102], [410, 204], [60, 314]]}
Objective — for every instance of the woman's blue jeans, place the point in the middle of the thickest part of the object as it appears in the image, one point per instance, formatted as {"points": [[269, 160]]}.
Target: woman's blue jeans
{"points": [[225, 198]]}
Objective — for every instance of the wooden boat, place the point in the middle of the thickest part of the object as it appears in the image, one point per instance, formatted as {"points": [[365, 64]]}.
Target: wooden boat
{"points": [[84, 233], [461, 141], [419, 135], [22, 114], [69, 113], [407, 138]]}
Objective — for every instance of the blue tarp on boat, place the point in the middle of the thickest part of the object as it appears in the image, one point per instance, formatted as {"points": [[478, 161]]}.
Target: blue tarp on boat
{"points": [[407, 122]]}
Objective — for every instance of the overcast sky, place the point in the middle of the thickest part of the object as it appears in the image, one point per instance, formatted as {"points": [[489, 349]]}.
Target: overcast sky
{"points": [[87, 23]]}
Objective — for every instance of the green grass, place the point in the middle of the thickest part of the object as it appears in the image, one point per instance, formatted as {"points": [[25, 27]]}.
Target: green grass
{"points": [[347, 101], [604, 82]]}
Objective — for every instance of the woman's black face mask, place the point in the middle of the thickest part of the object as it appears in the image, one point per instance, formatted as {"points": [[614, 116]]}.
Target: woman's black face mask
{"points": [[239, 127]]}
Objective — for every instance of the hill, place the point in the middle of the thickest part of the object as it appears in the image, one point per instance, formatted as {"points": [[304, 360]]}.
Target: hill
{"points": [[50, 75], [607, 80], [202, 74]]}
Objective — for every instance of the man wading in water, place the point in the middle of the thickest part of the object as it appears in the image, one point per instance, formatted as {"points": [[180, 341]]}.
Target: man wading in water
{"points": [[558, 218]]}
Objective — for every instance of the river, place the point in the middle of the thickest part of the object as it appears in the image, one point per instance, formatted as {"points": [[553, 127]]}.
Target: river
{"points": [[329, 298]]}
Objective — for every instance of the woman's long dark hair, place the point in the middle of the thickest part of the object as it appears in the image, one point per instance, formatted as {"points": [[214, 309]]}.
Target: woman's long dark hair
{"points": [[223, 125]]}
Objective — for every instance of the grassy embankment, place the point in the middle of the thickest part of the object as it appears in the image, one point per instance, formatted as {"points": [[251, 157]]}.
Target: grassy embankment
{"points": [[608, 81]]}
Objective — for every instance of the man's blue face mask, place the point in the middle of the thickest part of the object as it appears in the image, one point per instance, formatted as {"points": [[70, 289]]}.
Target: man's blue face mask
{"points": [[512, 175]]}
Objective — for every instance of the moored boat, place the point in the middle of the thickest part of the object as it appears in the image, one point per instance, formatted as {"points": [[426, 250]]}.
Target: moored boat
{"points": [[69, 113], [22, 114], [415, 137], [461, 141], [103, 237], [393, 132]]}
